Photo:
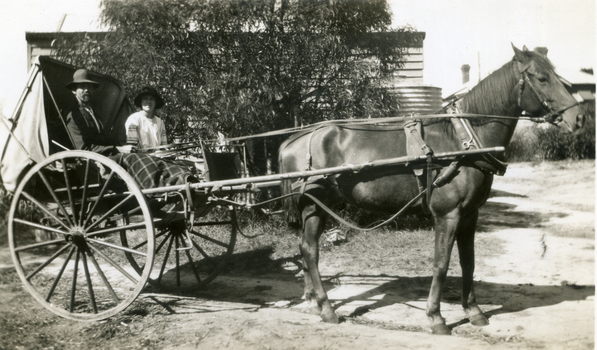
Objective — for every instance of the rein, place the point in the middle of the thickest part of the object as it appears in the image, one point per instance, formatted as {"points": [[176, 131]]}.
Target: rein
{"points": [[370, 121]]}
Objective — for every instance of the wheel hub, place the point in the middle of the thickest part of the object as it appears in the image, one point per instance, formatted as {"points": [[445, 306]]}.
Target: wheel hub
{"points": [[75, 236]]}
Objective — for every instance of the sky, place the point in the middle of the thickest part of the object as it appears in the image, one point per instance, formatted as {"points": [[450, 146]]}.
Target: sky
{"points": [[473, 32], [480, 34]]}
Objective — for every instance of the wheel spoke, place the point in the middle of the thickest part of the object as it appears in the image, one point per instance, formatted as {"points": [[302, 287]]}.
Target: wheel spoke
{"points": [[132, 261], [38, 245], [74, 285], [53, 193], [162, 242], [207, 238], [70, 254], [103, 277], [208, 258], [84, 196], [88, 277], [133, 211], [119, 247], [98, 199], [44, 209], [113, 263], [177, 260], [110, 212], [115, 229], [193, 265], [69, 190], [47, 262], [166, 258], [145, 241], [39, 226]]}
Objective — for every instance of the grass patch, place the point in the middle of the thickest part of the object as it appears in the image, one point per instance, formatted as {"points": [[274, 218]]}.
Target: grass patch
{"points": [[405, 248]]}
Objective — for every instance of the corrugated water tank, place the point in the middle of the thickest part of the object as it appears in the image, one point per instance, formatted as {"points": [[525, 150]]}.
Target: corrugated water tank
{"points": [[418, 98]]}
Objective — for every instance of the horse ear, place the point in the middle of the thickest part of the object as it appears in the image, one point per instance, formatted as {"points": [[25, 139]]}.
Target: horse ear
{"points": [[524, 48], [518, 55]]}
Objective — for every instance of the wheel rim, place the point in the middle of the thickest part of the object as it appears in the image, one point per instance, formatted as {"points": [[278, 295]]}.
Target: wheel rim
{"points": [[64, 238], [211, 244]]}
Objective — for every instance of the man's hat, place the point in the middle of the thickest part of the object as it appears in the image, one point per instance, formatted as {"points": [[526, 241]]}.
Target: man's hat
{"points": [[149, 91], [80, 76]]}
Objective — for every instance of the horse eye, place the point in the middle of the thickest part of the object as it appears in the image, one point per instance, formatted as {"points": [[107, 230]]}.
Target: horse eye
{"points": [[542, 78]]}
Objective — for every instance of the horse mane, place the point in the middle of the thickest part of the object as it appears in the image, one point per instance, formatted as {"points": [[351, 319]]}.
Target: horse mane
{"points": [[496, 95], [493, 96]]}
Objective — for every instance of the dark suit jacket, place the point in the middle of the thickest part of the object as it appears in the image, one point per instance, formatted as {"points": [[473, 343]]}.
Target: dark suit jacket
{"points": [[84, 132]]}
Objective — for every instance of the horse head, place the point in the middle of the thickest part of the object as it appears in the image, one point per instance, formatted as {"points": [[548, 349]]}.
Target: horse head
{"points": [[541, 93]]}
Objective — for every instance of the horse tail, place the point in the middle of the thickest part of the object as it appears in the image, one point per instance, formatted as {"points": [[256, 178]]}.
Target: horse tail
{"points": [[290, 203]]}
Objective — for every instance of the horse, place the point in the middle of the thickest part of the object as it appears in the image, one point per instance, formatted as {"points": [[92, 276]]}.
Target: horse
{"points": [[526, 83]]}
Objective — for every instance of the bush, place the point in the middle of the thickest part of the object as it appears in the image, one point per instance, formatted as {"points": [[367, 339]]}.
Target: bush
{"points": [[5, 199], [547, 143]]}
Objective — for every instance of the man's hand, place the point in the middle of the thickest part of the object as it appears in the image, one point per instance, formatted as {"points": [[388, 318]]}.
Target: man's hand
{"points": [[126, 149]]}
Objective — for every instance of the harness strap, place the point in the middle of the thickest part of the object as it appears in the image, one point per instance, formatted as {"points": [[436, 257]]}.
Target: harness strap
{"points": [[429, 180], [353, 226], [444, 177], [308, 155], [416, 146]]}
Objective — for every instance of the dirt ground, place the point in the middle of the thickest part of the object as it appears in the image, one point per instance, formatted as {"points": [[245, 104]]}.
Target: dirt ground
{"points": [[538, 292]]}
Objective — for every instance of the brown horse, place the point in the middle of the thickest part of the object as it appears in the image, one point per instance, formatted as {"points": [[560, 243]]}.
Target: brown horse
{"points": [[527, 83]]}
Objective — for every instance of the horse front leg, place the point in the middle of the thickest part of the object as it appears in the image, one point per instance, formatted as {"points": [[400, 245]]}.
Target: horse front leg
{"points": [[466, 251], [445, 232], [313, 224]]}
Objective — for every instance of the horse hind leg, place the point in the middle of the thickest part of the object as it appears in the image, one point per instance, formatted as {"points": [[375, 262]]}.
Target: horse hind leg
{"points": [[313, 224], [466, 251]]}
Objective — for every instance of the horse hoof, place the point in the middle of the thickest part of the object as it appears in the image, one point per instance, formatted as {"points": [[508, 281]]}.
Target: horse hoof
{"points": [[315, 310], [329, 316], [440, 329], [333, 318], [479, 320]]}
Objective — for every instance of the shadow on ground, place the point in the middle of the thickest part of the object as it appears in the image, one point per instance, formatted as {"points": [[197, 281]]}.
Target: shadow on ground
{"points": [[499, 214], [263, 282]]}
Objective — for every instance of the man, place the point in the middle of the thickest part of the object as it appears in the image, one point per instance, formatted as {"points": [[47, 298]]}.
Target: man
{"points": [[87, 133], [86, 130]]}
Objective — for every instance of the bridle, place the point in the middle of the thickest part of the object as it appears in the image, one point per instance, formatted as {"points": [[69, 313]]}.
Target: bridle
{"points": [[553, 116]]}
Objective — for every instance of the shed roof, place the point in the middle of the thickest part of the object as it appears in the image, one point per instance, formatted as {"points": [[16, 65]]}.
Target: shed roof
{"points": [[577, 77]]}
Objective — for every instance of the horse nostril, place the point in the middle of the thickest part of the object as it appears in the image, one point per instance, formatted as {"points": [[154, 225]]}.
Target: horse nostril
{"points": [[580, 120]]}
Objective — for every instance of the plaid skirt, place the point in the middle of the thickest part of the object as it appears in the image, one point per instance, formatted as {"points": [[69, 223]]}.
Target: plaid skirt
{"points": [[152, 172]]}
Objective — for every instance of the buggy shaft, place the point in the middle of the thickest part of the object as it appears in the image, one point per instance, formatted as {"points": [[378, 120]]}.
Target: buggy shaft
{"points": [[272, 180]]}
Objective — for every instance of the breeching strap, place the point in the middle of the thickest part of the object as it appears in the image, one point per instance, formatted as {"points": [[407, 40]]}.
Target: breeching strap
{"points": [[350, 225], [441, 180]]}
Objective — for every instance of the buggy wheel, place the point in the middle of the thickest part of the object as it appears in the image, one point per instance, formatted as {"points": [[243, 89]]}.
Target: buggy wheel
{"points": [[189, 259], [64, 240]]}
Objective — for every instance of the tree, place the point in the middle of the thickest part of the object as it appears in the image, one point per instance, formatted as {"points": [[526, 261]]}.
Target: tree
{"points": [[243, 67]]}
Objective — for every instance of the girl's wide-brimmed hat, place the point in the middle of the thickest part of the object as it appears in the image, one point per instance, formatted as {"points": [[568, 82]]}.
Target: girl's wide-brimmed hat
{"points": [[149, 91], [81, 76]]}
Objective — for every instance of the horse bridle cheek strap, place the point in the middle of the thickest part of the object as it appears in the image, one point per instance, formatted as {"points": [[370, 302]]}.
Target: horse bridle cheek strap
{"points": [[553, 116]]}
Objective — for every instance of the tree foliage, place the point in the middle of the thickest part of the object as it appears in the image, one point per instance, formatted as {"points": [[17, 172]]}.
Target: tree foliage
{"points": [[242, 67]]}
